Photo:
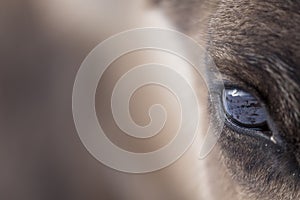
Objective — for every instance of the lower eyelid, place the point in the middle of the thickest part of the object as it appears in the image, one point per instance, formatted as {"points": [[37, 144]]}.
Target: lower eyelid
{"points": [[254, 132]]}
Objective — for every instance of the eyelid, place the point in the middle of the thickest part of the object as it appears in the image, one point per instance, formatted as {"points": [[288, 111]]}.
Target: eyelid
{"points": [[251, 132]]}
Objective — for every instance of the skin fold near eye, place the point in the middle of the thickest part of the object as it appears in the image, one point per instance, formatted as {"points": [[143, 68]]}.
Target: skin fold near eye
{"points": [[243, 108]]}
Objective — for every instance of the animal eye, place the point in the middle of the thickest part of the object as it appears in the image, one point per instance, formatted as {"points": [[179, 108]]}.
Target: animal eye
{"points": [[244, 110]]}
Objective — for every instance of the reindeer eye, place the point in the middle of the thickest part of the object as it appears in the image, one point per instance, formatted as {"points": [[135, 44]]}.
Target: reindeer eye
{"points": [[244, 110]]}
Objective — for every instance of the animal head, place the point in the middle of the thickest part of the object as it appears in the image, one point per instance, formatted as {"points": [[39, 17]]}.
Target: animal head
{"points": [[256, 47]]}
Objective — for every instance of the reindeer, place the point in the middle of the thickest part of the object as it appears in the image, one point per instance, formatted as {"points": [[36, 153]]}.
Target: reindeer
{"points": [[254, 44]]}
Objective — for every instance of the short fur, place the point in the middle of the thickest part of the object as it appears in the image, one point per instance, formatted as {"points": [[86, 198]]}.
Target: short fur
{"points": [[256, 46]]}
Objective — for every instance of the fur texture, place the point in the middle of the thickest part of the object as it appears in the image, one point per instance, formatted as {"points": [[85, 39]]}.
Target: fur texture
{"points": [[256, 46]]}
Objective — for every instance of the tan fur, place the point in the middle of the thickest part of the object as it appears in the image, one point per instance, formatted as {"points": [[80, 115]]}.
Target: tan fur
{"points": [[43, 44]]}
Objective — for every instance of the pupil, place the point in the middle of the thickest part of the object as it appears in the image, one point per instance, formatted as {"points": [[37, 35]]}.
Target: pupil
{"points": [[243, 108]]}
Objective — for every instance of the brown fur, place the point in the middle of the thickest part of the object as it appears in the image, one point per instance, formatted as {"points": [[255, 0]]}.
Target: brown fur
{"points": [[256, 46]]}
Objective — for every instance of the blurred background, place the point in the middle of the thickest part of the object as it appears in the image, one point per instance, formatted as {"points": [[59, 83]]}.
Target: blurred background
{"points": [[43, 43]]}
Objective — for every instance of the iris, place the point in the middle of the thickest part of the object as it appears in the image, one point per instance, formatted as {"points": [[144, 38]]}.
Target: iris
{"points": [[243, 109]]}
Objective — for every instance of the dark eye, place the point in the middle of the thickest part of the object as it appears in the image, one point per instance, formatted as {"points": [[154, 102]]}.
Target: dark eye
{"points": [[244, 110]]}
